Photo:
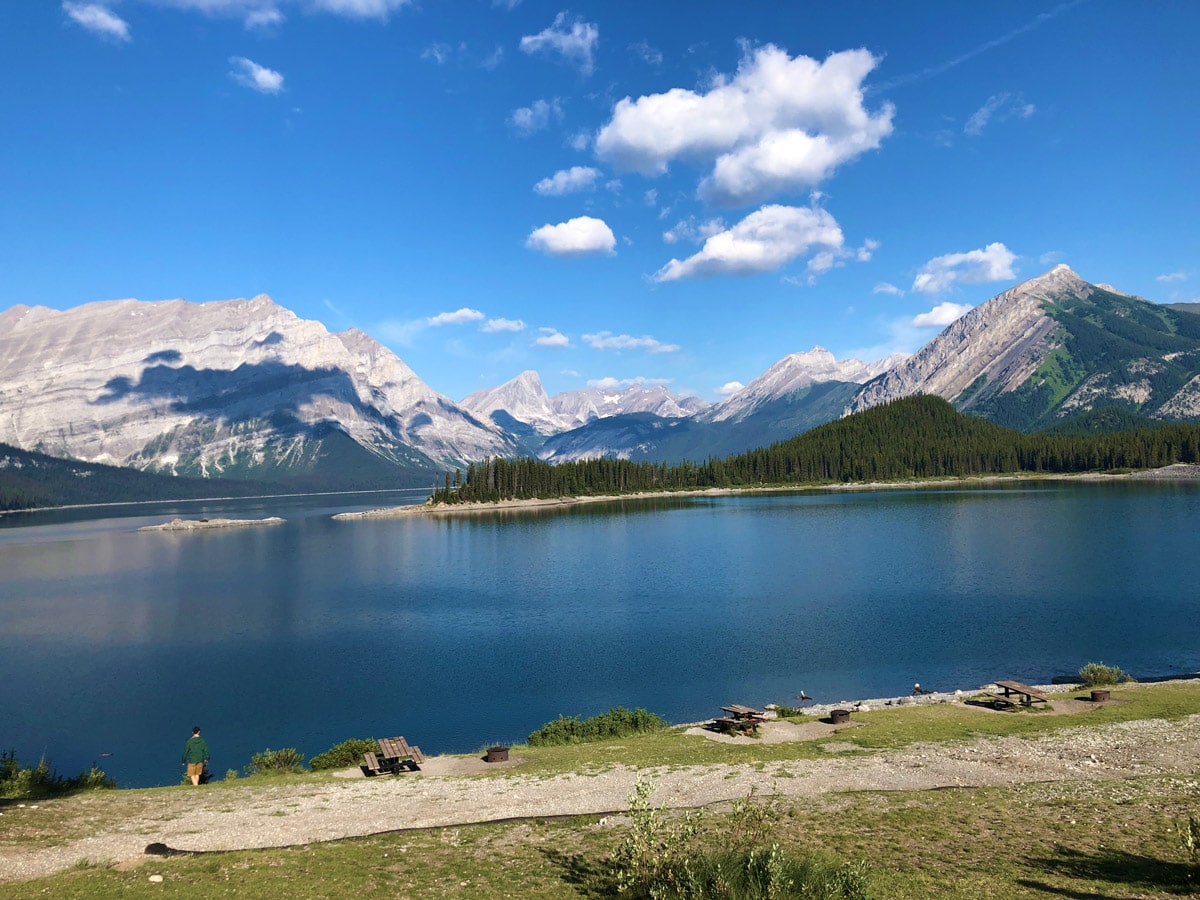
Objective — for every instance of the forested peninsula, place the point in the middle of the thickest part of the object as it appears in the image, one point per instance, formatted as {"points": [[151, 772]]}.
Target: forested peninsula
{"points": [[918, 437]]}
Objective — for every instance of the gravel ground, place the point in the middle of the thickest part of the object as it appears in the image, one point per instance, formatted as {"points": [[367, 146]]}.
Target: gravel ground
{"points": [[445, 793]]}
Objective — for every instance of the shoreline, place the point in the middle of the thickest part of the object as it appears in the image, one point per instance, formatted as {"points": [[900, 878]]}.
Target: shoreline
{"points": [[178, 524], [1175, 471]]}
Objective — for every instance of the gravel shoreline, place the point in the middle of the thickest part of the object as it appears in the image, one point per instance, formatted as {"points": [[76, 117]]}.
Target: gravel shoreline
{"points": [[448, 792]]}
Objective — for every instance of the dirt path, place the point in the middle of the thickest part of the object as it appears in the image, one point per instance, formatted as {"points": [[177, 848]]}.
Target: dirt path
{"points": [[446, 793]]}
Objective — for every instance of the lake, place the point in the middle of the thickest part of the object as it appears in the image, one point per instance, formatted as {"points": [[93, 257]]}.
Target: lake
{"points": [[460, 632]]}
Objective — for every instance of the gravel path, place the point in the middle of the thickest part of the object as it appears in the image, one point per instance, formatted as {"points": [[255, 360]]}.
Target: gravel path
{"points": [[445, 793]]}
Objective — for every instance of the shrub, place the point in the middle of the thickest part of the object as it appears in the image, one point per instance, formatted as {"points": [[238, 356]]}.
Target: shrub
{"points": [[21, 781], [231, 774], [618, 722], [659, 859], [1094, 674], [276, 761], [347, 753]]}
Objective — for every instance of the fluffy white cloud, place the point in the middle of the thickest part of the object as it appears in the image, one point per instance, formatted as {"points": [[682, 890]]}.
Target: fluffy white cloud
{"points": [[606, 340], [780, 124], [551, 337], [567, 181], [536, 116], [98, 19], [729, 388], [1172, 277], [885, 287], [993, 263], [574, 40], [1002, 106], [762, 242], [575, 237], [941, 315], [494, 325], [259, 78], [458, 317]]}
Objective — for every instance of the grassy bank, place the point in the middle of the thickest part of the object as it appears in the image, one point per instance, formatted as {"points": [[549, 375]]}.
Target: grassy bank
{"points": [[1082, 838]]}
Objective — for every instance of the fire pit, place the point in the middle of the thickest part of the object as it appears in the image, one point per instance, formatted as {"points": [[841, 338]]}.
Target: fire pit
{"points": [[839, 716], [496, 754], [1099, 696]]}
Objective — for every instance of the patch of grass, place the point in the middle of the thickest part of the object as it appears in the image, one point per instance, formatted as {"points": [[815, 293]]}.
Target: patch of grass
{"points": [[995, 843]]}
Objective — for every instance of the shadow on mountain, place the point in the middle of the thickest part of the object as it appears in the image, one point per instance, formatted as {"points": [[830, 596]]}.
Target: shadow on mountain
{"points": [[268, 390], [1129, 872]]}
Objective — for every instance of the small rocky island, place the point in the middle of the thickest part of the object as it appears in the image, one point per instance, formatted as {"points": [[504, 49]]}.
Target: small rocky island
{"points": [[199, 524]]}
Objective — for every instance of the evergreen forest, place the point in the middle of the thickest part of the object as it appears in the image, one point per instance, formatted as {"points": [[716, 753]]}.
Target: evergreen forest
{"points": [[911, 438]]}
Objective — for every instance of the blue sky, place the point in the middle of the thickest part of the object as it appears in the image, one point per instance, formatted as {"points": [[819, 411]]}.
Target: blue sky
{"points": [[677, 193]]}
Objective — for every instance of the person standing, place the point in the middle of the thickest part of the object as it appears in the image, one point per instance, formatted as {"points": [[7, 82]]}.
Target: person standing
{"points": [[195, 755]]}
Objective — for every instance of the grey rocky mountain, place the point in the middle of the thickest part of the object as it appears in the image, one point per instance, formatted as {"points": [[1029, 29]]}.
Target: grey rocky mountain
{"points": [[524, 400], [1051, 347], [794, 373], [228, 387]]}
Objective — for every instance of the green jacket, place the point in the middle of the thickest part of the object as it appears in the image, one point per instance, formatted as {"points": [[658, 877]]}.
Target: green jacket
{"points": [[195, 750]]}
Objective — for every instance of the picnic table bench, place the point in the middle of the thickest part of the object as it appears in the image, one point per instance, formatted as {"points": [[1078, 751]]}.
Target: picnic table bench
{"points": [[745, 719], [1028, 695], [395, 756]]}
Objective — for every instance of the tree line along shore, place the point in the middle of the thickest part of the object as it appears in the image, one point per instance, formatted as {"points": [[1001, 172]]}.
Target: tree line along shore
{"points": [[916, 438]]}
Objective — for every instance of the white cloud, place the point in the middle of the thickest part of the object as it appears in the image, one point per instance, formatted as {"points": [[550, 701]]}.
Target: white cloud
{"points": [[609, 383], [567, 181], [780, 124], [762, 242], [98, 19], [729, 388], [254, 11], [863, 253], [886, 288], [606, 340], [993, 263], [646, 53], [492, 326], [1050, 257], [458, 317], [580, 141], [690, 229], [259, 78], [1004, 106], [263, 19], [575, 237], [551, 337], [941, 315], [536, 116], [574, 40], [1172, 277]]}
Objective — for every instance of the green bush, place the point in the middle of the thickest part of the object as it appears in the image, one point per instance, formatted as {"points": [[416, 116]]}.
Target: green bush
{"points": [[276, 761], [660, 859], [618, 722], [35, 782], [1095, 674], [347, 753]]}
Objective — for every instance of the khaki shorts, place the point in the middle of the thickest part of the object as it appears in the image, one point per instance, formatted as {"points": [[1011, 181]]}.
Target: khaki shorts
{"points": [[195, 769]]}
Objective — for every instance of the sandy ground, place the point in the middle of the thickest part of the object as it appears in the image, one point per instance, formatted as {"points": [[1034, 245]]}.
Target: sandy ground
{"points": [[449, 792]]}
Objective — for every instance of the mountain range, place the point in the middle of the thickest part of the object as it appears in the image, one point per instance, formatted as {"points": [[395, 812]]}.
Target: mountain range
{"points": [[246, 389]]}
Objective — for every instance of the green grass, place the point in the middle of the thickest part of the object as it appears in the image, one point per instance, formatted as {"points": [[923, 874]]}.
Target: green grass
{"points": [[1093, 839]]}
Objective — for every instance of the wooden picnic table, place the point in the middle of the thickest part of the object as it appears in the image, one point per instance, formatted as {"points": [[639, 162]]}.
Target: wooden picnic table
{"points": [[395, 755], [745, 719], [1027, 694]]}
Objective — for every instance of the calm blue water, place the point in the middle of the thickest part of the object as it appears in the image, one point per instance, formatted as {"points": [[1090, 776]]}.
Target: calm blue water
{"points": [[462, 632]]}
